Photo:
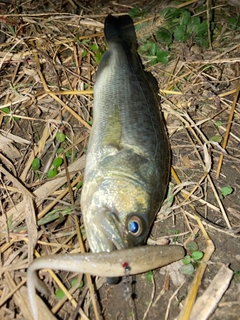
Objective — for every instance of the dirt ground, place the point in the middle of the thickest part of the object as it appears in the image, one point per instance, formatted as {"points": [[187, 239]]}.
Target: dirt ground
{"points": [[48, 47]]}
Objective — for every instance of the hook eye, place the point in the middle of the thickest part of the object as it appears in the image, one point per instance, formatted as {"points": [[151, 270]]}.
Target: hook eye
{"points": [[135, 226]]}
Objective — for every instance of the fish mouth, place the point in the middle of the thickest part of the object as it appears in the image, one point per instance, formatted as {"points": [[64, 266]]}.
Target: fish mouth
{"points": [[105, 233]]}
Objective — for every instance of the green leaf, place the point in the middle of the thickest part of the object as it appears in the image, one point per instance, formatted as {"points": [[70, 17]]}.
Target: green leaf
{"points": [[83, 232], [52, 173], [140, 26], [36, 164], [59, 294], [175, 239], [194, 25], [5, 110], [71, 154], [79, 185], [60, 136], [149, 276], [94, 47], [153, 48], [192, 246], [185, 18], [202, 41], [60, 150], [85, 41], [180, 33], [164, 36], [187, 269], [225, 191], [54, 215], [162, 56], [135, 12], [216, 139], [98, 56], [57, 162], [201, 29], [145, 47], [197, 255], [218, 123], [170, 13], [186, 260], [74, 282], [8, 111], [234, 23]]}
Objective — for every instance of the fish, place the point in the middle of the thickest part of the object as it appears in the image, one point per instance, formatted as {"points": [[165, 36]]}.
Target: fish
{"points": [[127, 170], [128, 156]]}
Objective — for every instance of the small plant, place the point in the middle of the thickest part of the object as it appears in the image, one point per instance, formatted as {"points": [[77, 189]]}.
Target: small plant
{"points": [[56, 164], [136, 12], [56, 214], [192, 260], [236, 275], [218, 123], [234, 23], [178, 25], [8, 111], [184, 26], [60, 136], [98, 52], [36, 164], [149, 276], [90, 47], [60, 294], [216, 139], [226, 191]]}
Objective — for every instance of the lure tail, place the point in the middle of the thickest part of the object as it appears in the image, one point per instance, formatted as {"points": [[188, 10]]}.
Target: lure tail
{"points": [[120, 29]]}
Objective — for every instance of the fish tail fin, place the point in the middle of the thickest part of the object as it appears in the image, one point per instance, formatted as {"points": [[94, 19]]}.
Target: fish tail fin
{"points": [[120, 29]]}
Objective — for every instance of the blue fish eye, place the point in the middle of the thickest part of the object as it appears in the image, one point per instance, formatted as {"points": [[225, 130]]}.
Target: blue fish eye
{"points": [[135, 226]]}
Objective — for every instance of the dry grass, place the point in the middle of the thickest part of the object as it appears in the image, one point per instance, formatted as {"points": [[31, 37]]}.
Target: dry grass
{"points": [[47, 70]]}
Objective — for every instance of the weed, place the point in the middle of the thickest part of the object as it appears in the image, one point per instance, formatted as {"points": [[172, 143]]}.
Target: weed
{"points": [[226, 191], [192, 260], [36, 164], [236, 275], [149, 276], [55, 214], [179, 25], [60, 294]]}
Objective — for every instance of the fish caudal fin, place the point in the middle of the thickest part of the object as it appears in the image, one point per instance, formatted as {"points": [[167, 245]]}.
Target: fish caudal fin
{"points": [[120, 29]]}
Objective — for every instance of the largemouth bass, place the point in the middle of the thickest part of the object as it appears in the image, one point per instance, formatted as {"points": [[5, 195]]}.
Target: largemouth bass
{"points": [[127, 169], [128, 156]]}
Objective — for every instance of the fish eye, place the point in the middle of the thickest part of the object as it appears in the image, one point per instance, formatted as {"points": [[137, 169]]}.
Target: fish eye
{"points": [[135, 226]]}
